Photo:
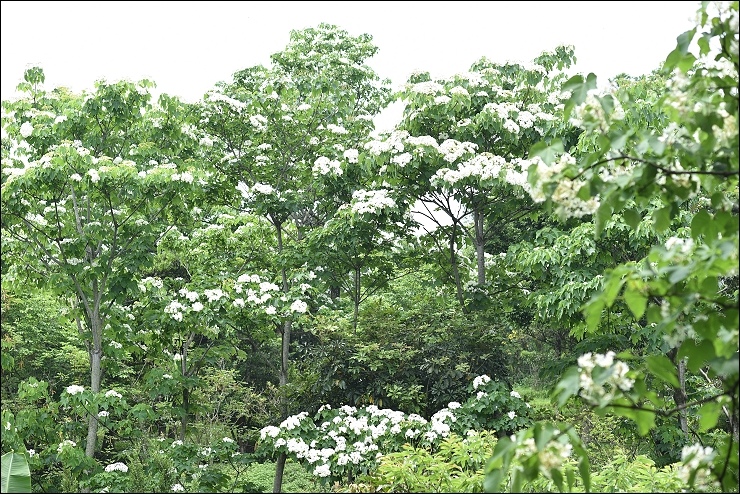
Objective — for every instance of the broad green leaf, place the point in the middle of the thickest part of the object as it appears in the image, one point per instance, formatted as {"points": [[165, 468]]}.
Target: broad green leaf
{"points": [[548, 153], [699, 223], [662, 218], [603, 215], [568, 386], [686, 62], [644, 419], [632, 218], [619, 140], [592, 312], [698, 354], [684, 40], [16, 476], [662, 368], [612, 287], [679, 273], [636, 301], [709, 415], [584, 468]]}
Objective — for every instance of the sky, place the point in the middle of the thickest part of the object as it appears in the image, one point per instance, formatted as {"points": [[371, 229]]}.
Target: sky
{"points": [[186, 47]]}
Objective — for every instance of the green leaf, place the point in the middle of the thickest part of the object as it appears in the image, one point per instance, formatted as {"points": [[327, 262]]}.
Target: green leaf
{"points": [[684, 40], [548, 153], [612, 287], [557, 477], [679, 273], [686, 62], [584, 468], [709, 415], [568, 386], [619, 140], [16, 476], [592, 313], [636, 301], [632, 218], [645, 419], [699, 223], [662, 368], [662, 218], [603, 215], [698, 354]]}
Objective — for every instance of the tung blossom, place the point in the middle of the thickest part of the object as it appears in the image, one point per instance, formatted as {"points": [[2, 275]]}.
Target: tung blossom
{"points": [[75, 389], [298, 306], [26, 129]]}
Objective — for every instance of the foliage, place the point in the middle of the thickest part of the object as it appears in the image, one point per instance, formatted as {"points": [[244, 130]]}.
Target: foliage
{"points": [[340, 444], [455, 466], [16, 476], [162, 261], [414, 350]]}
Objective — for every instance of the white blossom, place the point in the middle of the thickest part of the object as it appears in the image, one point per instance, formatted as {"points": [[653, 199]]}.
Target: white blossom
{"points": [[26, 129], [74, 389], [480, 380], [298, 306]]}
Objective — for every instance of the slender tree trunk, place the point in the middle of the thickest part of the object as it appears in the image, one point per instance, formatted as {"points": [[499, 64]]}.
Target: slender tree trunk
{"points": [[96, 373], [679, 393], [280, 465], [456, 270], [681, 397], [356, 298], [480, 244], [185, 390], [279, 469], [334, 292], [284, 361]]}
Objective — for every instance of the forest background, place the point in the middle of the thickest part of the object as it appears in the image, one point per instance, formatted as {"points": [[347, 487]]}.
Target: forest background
{"points": [[202, 296]]}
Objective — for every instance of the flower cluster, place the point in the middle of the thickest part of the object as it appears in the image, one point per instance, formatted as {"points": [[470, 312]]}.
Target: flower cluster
{"points": [[483, 166], [347, 440], [601, 377], [566, 191], [549, 458], [325, 166], [116, 467], [371, 201], [696, 467], [65, 444], [75, 389], [113, 393]]}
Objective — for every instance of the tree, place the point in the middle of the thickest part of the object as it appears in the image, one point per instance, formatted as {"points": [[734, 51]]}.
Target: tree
{"points": [[457, 151], [90, 183], [685, 288], [279, 127]]}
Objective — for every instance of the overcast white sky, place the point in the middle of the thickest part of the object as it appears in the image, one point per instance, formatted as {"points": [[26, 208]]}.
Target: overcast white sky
{"points": [[186, 47]]}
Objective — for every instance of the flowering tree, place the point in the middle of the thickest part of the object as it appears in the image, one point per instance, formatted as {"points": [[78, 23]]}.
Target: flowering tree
{"points": [[278, 129], [84, 199], [561, 267], [343, 443], [685, 288], [458, 150], [362, 238]]}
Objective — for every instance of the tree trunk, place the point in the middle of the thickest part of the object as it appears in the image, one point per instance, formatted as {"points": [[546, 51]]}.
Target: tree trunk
{"points": [[679, 393], [96, 372], [185, 390], [356, 298], [680, 396], [284, 361], [279, 469], [456, 270], [480, 244]]}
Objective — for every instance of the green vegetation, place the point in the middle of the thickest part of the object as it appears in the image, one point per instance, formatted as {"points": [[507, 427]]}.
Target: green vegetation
{"points": [[240, 295]]}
